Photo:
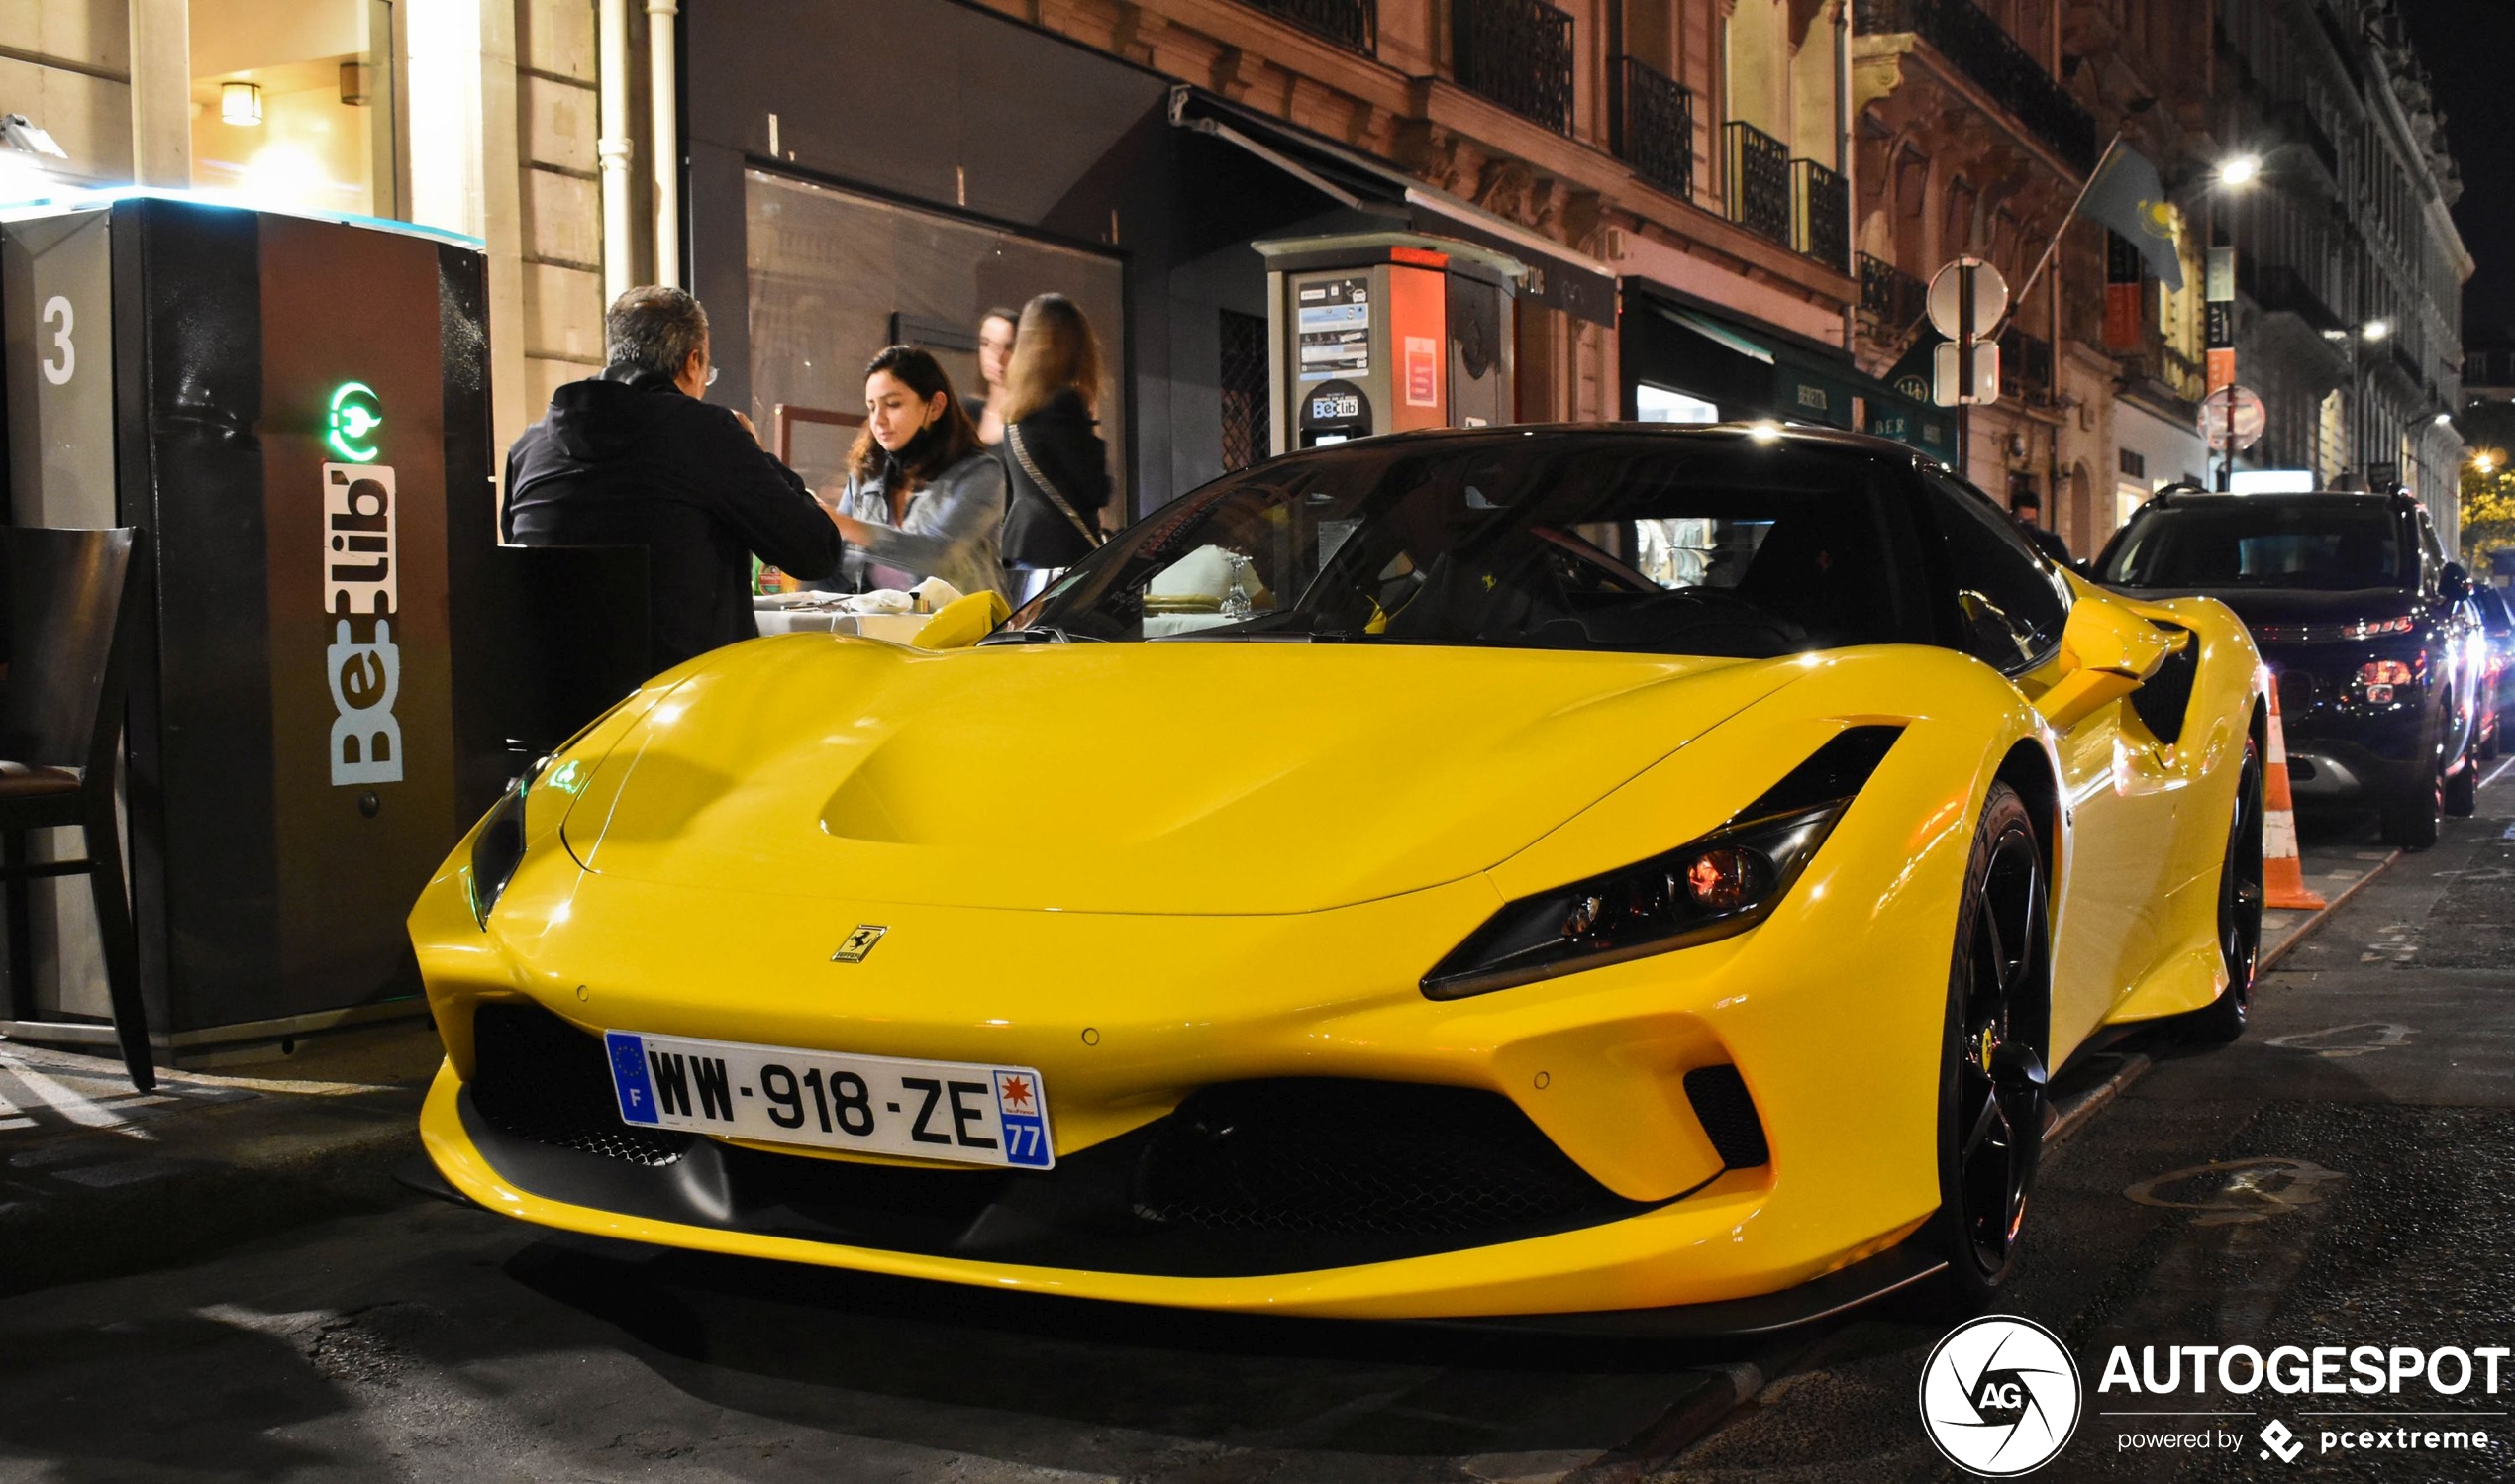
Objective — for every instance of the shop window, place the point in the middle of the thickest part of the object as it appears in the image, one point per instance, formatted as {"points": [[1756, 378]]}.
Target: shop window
{"points": [[1659, 404], [292, 105], [832, 274], [1247, 436]]}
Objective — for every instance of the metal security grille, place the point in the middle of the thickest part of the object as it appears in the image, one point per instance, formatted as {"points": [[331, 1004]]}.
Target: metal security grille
{"points": [[1758, 181], [1247, 437], [1351, 23], [1653, 118], [1517, 52]]}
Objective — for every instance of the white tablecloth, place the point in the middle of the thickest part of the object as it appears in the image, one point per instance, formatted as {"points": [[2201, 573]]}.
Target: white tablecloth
{"points": [[898, 628]]}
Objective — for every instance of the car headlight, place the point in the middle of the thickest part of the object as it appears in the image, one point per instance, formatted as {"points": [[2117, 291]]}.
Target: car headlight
{"points": [[1721, 884], [497, 847]]}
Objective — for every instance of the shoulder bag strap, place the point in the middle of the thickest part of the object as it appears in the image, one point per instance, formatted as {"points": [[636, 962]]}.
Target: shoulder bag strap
{"points": [[1048, 486]]}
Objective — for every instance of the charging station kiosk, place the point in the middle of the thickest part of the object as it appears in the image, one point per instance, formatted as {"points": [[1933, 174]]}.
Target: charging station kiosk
{"points": [[1387, 331], [296, 411]]}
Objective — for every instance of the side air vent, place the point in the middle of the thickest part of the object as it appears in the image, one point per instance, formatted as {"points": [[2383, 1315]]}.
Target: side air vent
{"points": [[1728, 1115], [2166, 698]]}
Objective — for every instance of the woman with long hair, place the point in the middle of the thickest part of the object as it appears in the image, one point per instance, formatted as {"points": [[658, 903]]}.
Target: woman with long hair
{"points": [[996, 353], [1056, 464], [923, 498]]}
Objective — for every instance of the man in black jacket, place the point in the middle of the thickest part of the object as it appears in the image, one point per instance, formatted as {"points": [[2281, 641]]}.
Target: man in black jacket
{"points": [[634, 458], [2027, 507]]}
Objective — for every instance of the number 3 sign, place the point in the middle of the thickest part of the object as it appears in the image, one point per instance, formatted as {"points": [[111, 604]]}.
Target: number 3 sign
{"points": [[62, 361]]}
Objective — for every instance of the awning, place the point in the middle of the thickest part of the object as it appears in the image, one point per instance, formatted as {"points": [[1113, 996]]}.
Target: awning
{"points": [[1559, 278], [1753, 371]]}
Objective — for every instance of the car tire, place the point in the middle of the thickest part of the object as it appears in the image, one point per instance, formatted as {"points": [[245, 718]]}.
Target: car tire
{"points": [[2463, 787], [1991, 1096], [2413, 819], [2240, 897]]}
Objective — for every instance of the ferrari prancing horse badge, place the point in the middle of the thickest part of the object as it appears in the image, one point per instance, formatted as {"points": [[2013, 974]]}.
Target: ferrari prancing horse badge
{"points": [[858, 944]]}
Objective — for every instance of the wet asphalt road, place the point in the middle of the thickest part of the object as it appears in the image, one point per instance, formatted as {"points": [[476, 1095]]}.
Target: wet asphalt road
{"points": [[2364, 1193]]}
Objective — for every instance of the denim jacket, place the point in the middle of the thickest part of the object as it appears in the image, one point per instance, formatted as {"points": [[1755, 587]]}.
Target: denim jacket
{"points": [[948, 531]]}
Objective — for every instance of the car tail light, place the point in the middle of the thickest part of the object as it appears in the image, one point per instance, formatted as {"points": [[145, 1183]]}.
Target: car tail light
{"points": [[2371, 628]]}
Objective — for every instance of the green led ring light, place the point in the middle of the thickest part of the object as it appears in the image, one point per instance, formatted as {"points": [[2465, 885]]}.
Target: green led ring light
{"points": [[355, 413]]}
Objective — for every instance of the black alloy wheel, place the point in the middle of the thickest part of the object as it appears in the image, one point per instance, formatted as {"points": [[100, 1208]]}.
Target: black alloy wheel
{"points": [[2239, 894], [1991, 1099]]}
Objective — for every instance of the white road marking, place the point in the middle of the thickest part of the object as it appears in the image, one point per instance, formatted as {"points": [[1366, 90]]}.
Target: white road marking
{"points": [[59, 1097]]}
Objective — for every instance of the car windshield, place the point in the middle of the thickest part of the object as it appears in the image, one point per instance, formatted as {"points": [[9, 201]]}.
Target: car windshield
{"points": [[1716, 542], [2247, 543]]}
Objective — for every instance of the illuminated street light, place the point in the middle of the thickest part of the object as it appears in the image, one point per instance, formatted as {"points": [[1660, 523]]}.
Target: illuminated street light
{"points": [[2444, 418], [2375, 329], [2484, 461], [2241, 169]]}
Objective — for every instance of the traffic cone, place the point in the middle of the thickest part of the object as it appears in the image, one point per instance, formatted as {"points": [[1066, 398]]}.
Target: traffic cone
{"points": [[2283, 872]]}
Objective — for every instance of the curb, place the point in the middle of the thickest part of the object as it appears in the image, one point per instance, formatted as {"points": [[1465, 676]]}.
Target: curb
{"points": [[2314, 924]]}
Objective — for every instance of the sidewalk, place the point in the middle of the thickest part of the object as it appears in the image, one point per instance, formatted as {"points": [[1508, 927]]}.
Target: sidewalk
{"points": [[96, 1178], [2332, 869]]}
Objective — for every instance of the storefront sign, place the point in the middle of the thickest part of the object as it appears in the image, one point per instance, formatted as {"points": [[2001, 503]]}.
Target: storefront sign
{"points": [[362, 593], [1926, 431]]}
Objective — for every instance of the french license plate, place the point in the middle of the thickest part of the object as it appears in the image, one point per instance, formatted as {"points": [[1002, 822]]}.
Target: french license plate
{"points": [[884, 1104]]}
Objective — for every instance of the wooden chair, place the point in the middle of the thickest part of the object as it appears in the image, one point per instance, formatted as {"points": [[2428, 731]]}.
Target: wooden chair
{"points": [[72, 602]]}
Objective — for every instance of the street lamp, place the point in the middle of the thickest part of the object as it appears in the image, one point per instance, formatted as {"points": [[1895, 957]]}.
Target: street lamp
{"points": [[2484, 461], [2375, 329], [2240, 170]]}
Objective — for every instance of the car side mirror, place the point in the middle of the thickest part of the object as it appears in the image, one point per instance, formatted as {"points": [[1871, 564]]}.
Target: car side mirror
{"points": [[2107, 653], [2456, 583]]}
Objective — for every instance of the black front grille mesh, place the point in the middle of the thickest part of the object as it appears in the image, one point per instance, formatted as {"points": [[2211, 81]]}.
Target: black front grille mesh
{"points": [[1330, 1157], [1728, 1115], [540, 1078], [1281, 1175]]}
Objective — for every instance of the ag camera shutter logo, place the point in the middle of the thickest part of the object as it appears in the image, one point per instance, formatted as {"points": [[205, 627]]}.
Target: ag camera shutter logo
{"points": [[2000, 1396]]}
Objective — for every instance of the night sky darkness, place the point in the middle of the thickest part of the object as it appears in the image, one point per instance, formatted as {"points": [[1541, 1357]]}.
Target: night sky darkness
{"points": [[2468, 46]]}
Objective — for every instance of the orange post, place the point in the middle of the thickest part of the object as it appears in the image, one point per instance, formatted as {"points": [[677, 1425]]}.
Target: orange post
{"points": [[2283, 872]]}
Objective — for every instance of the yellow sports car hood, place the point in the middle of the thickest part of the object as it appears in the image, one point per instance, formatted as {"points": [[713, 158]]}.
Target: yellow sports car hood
{"points": [[1209, 778]]}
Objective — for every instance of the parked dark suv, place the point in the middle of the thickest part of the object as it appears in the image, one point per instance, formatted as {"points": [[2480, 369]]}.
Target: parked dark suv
{"points": [[2370, 630]]}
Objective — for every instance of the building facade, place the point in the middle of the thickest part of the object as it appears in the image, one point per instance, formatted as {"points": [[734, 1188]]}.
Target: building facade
{"points": [[2350, 270], [1727, 208]]}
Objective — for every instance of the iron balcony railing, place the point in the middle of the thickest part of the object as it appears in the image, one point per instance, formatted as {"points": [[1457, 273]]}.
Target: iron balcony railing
{"points": [[1821, 214], [1961, 32], [1351, 23], [1758, 180], [1517, 52], [1891, 296], [1650, 123]]}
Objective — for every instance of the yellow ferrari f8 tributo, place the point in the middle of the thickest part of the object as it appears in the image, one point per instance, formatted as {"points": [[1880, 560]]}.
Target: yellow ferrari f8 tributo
{"points": [[1559, 871]]}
